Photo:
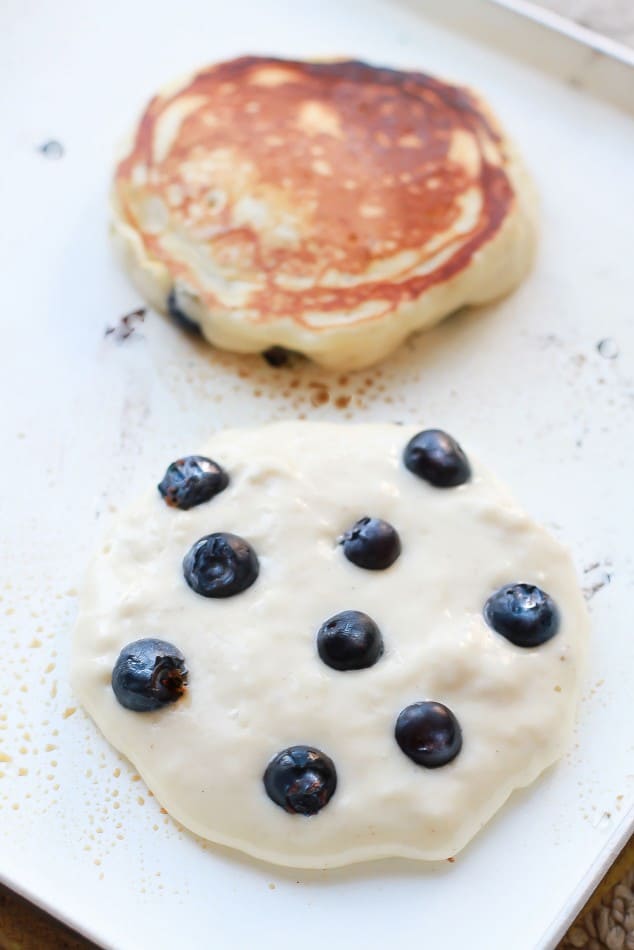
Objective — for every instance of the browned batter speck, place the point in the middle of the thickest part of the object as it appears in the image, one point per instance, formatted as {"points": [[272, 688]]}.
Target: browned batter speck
{"points": [[363, 151]]}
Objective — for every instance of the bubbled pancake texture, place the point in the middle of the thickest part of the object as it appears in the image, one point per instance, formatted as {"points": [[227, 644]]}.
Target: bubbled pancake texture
{"points": [[294, 203], [258, 686]]}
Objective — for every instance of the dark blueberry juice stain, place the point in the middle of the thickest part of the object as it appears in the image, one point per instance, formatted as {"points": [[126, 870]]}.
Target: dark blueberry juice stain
{"points": [[126, 325], [608, 348], [52, 149]]}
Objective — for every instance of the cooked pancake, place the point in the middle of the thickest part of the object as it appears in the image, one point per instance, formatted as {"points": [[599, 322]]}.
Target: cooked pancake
{"points": [[326, 207]]}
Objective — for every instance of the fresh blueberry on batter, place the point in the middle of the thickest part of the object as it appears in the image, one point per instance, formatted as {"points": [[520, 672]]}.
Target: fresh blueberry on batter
{"points": [[437, 458], [429, 734], [371, 543], [148, 675], [192, 480], [349, 641], [301, 780], [523, 613], [184, 322], [220, 565]]}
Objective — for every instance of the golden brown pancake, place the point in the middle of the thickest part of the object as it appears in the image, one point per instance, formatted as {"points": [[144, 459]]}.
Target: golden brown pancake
{"points": [[328, 207]]}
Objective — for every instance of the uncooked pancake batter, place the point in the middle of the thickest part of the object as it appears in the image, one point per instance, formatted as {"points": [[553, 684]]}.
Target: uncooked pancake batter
{"points": [[362, 644]]}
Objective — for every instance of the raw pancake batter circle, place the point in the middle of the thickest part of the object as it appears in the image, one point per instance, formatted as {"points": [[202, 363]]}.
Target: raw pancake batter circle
{"points": [[257, 685]]}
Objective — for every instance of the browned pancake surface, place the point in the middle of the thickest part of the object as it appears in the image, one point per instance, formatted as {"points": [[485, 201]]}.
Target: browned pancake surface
{"points": [[354, 164]]}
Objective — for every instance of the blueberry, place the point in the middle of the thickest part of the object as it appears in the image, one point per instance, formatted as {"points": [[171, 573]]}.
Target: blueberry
{"points": [[436, 456], [371, 543], [429, 734], [349, 641], [522, 613], [220, 565], [184, 322], [276, 356], [192, 480], [148, 675], [301, 780]]}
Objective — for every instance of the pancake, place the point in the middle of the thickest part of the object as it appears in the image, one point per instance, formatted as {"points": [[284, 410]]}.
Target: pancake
{"points": [[326, 207], [262, 680]]}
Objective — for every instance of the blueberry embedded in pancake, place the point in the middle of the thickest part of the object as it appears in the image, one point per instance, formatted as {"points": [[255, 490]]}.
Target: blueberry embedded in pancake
{"points": [[330, 208]]}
